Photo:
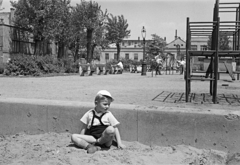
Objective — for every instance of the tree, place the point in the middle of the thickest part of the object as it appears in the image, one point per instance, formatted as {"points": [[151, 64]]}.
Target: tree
{"points": [[156, 47], [59, 28], [44, 19], [117, 31], [223, 42], [89, 17]]}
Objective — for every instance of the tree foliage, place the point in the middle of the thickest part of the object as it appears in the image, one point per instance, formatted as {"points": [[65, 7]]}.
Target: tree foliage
{"points": [[89, 17], [224, 41], [156, 47], [44, 19], [117, 30], [82, 27]]}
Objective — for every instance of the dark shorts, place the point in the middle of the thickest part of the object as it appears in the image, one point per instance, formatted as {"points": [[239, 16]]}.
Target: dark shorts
{"points": [[96, 131]]}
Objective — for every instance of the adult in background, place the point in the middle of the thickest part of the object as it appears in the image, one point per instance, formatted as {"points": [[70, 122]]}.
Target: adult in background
{"points": [[181, 65], [120, 66], [159, 62]]}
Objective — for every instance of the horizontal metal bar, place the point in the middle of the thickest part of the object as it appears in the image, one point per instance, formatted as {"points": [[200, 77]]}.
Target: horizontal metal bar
{"points": [[228, 28], [229, 22], [194, 31], [227, 11], [201, 28], [201, 25], [201, 31], [227, 33], [202, 22], [227, 7], [230, 25], [201, 35], [228, 3]]}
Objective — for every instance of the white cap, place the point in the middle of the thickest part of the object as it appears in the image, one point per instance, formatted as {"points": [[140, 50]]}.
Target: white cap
{"points": [[105, 93]]}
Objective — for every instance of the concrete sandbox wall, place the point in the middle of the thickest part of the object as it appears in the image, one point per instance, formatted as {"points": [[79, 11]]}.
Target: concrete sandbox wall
{"points": [[211, 129]]}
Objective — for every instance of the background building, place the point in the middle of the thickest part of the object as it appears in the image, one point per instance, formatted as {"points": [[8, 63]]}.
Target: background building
{"points": [[6, 20], [130, 49]]}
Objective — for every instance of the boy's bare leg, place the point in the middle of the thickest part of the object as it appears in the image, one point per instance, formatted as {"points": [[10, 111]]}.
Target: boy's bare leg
{"points": [[107, 136], [85, 142], [82, 141]]}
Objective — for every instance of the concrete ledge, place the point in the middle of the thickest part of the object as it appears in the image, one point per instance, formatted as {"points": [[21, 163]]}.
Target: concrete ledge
{"points": [[210, 129]]}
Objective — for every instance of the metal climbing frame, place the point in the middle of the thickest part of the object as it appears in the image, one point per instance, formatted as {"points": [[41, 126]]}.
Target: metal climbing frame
{"points": [[213, 29]]}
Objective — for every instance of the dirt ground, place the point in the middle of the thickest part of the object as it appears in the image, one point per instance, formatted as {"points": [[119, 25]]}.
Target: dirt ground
{"points": [[56, 149], [128, 88]]}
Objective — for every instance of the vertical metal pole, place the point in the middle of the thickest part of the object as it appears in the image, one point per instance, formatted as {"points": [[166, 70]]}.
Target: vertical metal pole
{"points": [[144, 66], [216, 60], [187, 81], [166, 64]]}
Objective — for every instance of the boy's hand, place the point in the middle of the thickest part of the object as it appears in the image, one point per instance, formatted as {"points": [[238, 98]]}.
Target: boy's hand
{"points": [[121, 146]]}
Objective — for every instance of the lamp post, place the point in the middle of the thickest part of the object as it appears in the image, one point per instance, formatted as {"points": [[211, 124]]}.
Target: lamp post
{"points": [[144, 65]]}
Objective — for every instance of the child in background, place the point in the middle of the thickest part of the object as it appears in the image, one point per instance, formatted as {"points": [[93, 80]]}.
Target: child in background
{"points": [[99, 126]]}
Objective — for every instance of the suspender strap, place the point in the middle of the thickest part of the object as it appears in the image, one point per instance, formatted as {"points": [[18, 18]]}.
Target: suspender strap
{"points": [[98, 117]]}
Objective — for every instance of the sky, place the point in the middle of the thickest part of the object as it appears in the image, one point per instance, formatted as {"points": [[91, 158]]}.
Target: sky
{"points": [[161, 17]]}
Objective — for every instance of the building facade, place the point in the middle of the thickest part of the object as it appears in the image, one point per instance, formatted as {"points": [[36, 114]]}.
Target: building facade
{"points": [[133, 49], [130, 49], [6, 19]]}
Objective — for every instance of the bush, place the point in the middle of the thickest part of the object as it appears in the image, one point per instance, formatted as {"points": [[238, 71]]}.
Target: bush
{"points": [[70, 66], [1, 68], [22, 65], [47, 64], [38, 65]]}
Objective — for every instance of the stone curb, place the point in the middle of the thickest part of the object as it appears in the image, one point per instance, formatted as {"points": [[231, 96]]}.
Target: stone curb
{"points": [[164, 126]]}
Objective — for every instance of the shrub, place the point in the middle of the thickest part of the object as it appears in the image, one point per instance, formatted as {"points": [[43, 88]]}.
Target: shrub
{"points": [[22, 65], [38, 65], [47, 64], [1, 70], [69, 65], [1, 67]]}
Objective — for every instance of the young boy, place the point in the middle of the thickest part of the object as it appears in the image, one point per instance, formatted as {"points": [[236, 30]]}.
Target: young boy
{"points": [[99, 126]]}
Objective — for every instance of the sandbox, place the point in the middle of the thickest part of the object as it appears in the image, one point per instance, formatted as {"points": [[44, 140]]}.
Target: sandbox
{"points": [[207, 130]]}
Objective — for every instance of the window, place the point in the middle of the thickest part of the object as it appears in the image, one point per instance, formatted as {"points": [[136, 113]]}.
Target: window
{"points": [[123, 43], [135, 56], [115, 56], [106, 56], [127, 56], [193, 47], [203, 47], [129, 43]]}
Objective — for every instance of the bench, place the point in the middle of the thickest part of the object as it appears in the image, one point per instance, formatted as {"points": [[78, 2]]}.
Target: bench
{"points": [[86, 69], [149, 69], [102, 69], [133, 68], [115, 69]]}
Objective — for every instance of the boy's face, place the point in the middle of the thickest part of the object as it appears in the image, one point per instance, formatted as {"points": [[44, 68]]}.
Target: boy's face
{"points": [[102, 105]]}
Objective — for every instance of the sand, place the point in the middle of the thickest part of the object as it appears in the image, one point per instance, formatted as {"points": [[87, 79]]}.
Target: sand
{"points": [[57, 149]]}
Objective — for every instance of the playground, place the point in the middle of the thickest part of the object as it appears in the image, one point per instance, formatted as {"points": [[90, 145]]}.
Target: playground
{"points": [[128, 88], [164, 91], [165, 119]]}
